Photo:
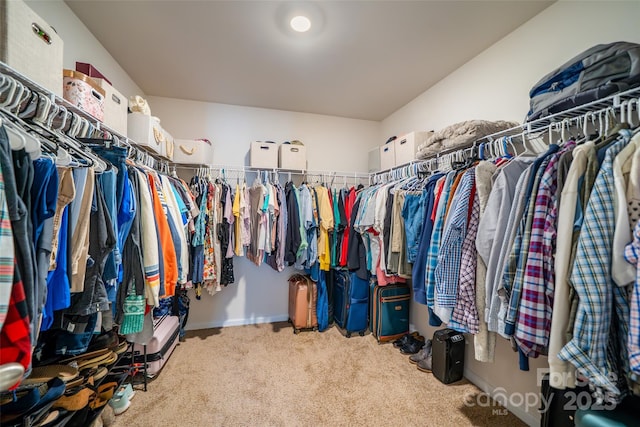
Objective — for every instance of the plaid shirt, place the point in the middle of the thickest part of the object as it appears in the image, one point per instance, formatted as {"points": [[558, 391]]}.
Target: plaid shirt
{"points": [[534, 312], [15, 337], [434, 247], [465, 314], [632, 255], [514, 269], [589, 349], [450, 255]]}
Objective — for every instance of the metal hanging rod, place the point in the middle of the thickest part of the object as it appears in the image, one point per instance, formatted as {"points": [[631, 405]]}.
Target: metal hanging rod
{"points": [[623, 101]]}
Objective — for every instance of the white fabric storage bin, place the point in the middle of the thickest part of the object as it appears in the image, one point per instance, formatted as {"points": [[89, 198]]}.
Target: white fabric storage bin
{"points": [[387, 156], [292, 156], [146, 131], [30, 45], [169, 146], [115, 107], [407, 145], [263, 155], [193, 152]]}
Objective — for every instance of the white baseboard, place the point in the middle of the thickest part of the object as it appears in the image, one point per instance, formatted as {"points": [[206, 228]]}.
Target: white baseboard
{"points": [[519, 412], [236, 322]]}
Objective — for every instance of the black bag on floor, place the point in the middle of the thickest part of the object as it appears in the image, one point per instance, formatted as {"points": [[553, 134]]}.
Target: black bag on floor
{"points": [[594, 74], [448, 355]]}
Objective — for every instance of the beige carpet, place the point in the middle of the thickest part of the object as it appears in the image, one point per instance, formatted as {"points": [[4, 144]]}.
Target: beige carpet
{"points": [[264, 375]]}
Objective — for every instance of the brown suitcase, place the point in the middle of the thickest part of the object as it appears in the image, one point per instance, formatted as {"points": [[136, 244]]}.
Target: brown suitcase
{"points": [[303, 294]]}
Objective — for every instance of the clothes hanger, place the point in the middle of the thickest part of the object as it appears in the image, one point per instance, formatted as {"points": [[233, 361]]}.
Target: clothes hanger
{"points": [[10, 92], [17, 97], [17, 140]]}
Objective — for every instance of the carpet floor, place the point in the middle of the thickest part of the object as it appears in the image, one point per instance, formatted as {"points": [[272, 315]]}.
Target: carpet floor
{"points": [[264, 375]]}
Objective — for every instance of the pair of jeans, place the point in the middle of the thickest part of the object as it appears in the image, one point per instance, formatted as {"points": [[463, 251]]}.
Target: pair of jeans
{"points": [[413, 214], [70, 342], [197, 264]]}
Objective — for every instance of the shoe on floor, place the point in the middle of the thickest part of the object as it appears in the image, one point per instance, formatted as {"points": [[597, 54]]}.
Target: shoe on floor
{"points": [[425, 364], [122, 399], [412, 347], [422, 354], [405, 339]]}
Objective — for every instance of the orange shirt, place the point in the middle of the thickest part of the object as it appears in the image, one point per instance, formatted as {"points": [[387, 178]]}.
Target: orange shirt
{"points": [[166, 241]]}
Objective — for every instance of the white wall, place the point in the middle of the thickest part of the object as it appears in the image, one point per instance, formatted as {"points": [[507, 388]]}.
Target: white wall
{"points": [[495, 85], [80, 45], [333, 144]]}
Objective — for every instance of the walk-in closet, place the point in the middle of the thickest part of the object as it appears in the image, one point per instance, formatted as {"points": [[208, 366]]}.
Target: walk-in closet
{"points": [[303, 213]]}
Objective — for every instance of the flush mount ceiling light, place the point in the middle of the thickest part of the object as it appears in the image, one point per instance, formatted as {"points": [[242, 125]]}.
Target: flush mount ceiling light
{"points": [[300, 23]]}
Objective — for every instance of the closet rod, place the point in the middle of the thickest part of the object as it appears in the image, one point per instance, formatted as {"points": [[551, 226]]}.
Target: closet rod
{"points": [[542, 124], [248, 169]]}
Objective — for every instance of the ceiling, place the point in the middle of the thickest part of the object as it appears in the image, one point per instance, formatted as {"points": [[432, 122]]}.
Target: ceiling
{"points": [[361, 59]]}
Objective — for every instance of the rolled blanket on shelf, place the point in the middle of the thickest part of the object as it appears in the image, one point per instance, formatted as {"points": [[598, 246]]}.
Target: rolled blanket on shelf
{"points": [[460, 135]]}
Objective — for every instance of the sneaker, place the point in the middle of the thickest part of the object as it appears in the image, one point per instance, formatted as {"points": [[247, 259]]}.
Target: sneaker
{"points": [[122, 399]]}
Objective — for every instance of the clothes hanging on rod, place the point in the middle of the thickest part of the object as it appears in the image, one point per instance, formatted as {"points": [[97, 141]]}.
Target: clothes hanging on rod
{"points": [[79, 202]]}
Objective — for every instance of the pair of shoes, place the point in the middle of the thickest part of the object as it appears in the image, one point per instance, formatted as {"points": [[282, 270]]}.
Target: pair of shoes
{"points": [[424, 364], [422, 354], [122, 399], [400, 342], [412, 347]]}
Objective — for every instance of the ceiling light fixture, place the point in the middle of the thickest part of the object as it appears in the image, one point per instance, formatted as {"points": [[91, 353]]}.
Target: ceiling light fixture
{"points": [[300, 23]]}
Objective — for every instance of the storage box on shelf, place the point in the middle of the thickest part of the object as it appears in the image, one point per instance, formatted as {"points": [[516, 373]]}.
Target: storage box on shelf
{"points": [[406, 146], [90, 71], [193, 152], [387, 156], [146, 131], [84, 92], [115, 107], [169, 144], [263, 155], [292, 156], [31, 46]]}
